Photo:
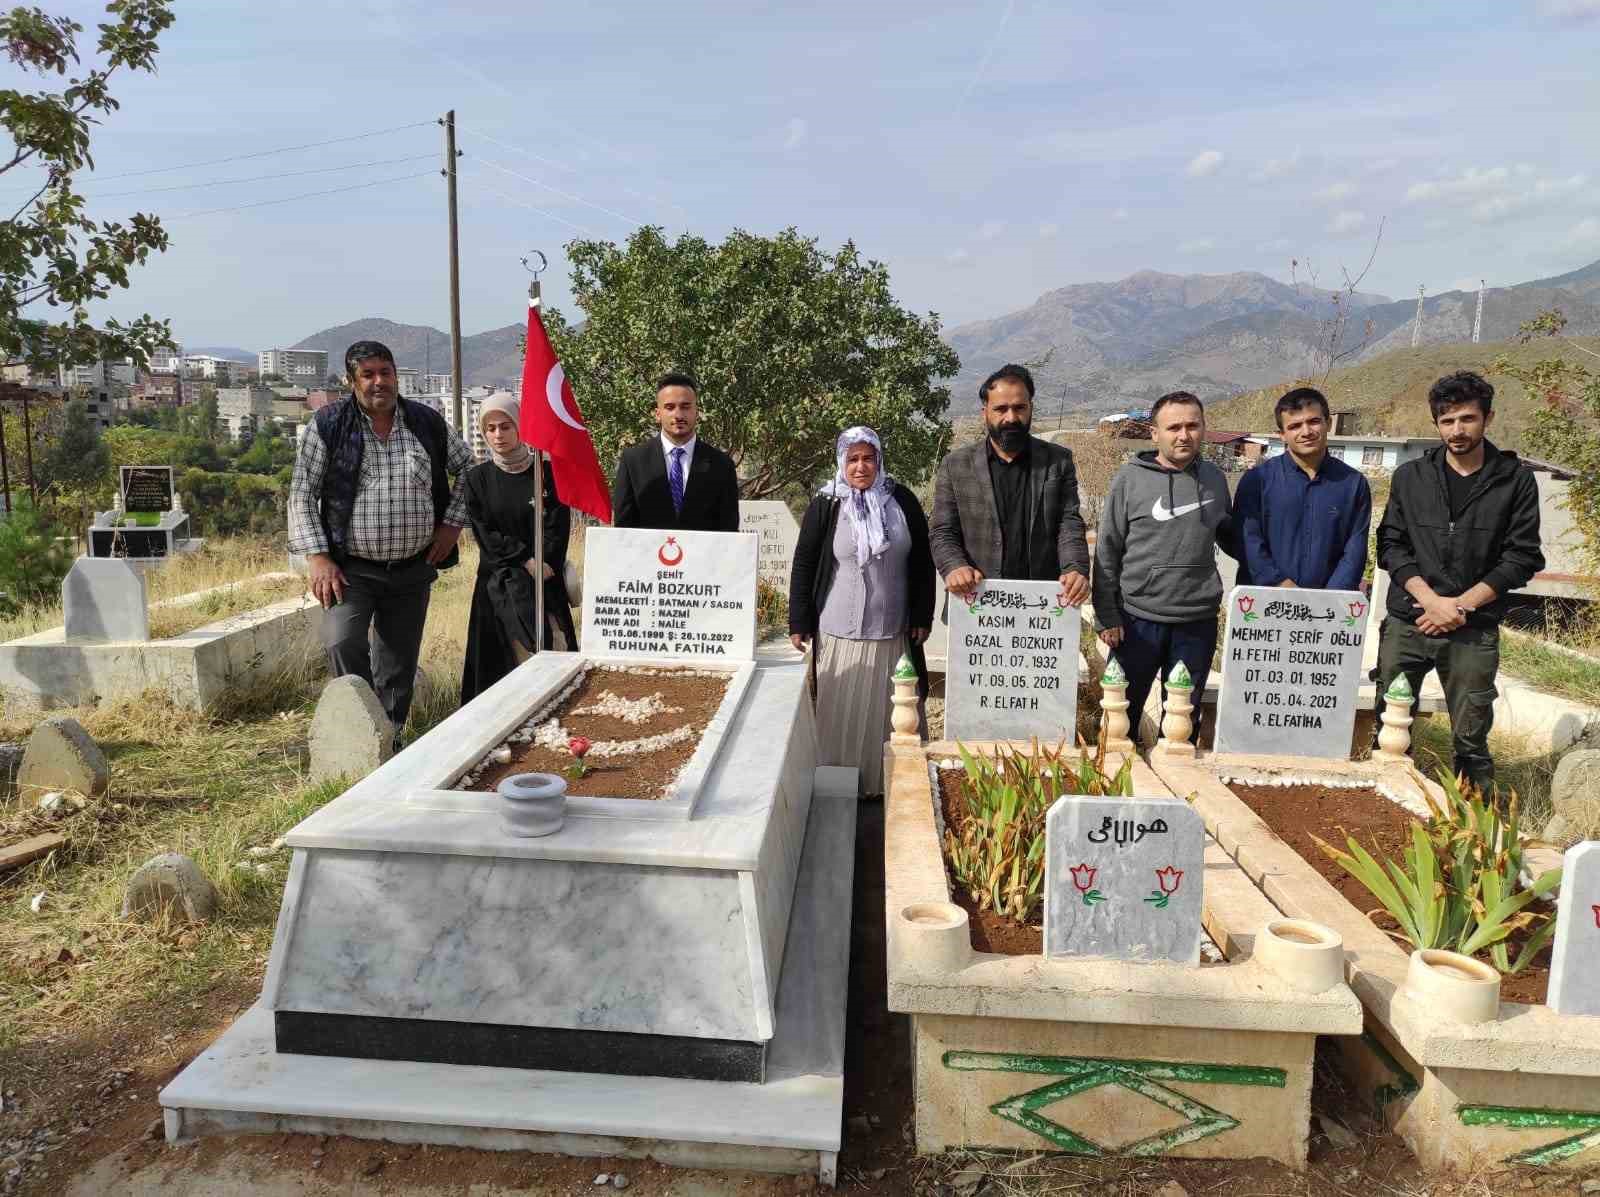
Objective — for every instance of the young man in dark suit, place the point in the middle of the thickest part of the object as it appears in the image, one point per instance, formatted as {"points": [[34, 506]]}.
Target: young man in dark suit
{"points": [[675, 480]]}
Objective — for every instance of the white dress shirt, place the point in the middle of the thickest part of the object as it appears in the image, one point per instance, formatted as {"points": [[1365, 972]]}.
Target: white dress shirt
{"points": [[688, 457]]}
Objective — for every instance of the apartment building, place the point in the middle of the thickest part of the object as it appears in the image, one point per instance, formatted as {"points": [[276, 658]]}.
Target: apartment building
{"points": [[220, 370], [309, 366], [249, 406]]}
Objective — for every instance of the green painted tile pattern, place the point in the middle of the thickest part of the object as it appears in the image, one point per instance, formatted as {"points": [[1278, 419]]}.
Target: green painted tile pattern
{"points": [[1527, 1118]]}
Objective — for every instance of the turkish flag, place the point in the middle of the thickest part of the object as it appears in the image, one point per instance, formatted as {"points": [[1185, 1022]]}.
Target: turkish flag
{"points": [[552, 423]]}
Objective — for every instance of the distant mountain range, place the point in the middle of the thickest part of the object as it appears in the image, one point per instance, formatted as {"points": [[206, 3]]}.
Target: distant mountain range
{"points": [[230, 353], [488, 358], [1119, 345]]}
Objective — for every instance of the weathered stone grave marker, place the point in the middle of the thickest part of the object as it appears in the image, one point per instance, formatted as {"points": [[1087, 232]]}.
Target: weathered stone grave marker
{"points": [[649, 594], [350, 734], [1012, 670], [1123, 878], [1291, 666], [1575, 960], [775, 525], [105, 599]]}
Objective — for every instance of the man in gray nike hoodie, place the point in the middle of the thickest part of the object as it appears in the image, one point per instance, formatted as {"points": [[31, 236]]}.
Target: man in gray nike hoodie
{"points": [[1156, 588]]}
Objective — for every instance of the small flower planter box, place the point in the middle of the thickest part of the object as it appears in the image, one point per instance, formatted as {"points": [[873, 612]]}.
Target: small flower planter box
{"points": [[1522, 1086], [1094, 1056]]}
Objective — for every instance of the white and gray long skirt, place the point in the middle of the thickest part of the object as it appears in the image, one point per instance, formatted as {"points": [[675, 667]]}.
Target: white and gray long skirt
{"points": [[853, 692]]}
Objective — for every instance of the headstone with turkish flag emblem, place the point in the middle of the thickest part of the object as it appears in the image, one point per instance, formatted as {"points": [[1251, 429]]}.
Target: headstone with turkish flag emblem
{"points": [[553, 423]]}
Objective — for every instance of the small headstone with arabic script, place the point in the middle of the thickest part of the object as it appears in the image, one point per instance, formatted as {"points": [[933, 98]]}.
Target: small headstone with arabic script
{"points": [[1123, 879], [1575, 961]]}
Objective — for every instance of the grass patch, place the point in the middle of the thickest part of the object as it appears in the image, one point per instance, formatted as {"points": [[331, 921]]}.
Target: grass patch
{"points": [[231, 598], [1516, 765], [1535, 662]]}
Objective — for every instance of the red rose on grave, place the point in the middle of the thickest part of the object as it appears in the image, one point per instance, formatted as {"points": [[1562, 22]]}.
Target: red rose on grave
{"points": [[1083, 878], [1357, 608], [1169, 879], [1246, 602], [579, 746]]}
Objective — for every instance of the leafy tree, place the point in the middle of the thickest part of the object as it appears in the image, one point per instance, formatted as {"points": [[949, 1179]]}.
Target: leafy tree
{"points": [[78, 459], [199, 419], [52, 255], [790, 345], [1567, 427], [32, 559], [268, 453], [229, 503]]}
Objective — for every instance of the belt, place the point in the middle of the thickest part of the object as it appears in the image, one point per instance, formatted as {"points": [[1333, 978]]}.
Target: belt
{"points": [[387, 566]]}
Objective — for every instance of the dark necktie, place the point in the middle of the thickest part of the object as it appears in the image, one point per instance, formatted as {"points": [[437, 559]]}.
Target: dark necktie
{"points": [[675, 480]]}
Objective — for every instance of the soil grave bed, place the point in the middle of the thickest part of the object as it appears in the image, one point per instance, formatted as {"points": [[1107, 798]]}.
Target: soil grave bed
{"points": [[1296, 813], [671, 707]]}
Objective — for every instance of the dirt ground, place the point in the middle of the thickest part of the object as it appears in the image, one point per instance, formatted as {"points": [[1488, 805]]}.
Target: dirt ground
{"points": [[81, 1117]]}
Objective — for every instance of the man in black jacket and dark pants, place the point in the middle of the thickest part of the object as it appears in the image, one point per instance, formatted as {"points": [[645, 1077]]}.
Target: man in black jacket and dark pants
{"points": [[1460, 532], [676, 480]]}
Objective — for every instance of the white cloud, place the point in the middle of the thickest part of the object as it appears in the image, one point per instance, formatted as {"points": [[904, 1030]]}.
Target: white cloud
{"points": [[1382, 166], [1120, 215], [1346, 222], [1276, 246], [1277, 168], [1585, 234], [1569, 12], [795, 133], [1207, 162], [1335, 192], [990, 229], [1200, 245], [1049, 230], [958, 257], [1497, 193]]}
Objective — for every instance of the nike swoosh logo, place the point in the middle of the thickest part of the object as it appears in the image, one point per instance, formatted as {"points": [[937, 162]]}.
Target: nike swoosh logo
{"points": [[1159, 509]]}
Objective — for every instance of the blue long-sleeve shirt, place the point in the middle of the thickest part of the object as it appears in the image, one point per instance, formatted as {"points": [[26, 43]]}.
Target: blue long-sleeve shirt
{"points": [[1313, 530]]}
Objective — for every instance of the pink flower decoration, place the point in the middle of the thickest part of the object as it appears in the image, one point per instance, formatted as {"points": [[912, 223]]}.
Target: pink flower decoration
{"points": [[1357, 608], [1083, 878], [1246, 602], [579, 746], [1168, 879]]}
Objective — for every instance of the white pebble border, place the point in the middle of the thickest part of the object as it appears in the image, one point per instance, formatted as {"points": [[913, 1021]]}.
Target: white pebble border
{"points": [[545, 731], [1404, 798]]}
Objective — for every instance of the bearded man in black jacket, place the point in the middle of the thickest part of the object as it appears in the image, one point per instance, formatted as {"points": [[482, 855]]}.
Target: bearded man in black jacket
{"points": [[1460, 532]]}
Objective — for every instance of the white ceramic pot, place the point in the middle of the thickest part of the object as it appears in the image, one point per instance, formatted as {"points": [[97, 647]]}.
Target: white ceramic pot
{"points": [[1452, 986], [1307, 955], [532, 804], [935, 936]]}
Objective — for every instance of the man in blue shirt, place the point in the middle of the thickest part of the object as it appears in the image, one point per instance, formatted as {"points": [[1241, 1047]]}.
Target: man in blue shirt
{"points": [[1303, 515]]}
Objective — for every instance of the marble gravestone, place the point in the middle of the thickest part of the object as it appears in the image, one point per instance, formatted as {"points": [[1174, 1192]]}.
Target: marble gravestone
{"points": [[775, 525], [650, 594], [1291, 666], [146, 490], [1123, 879], [105, 599], [1012, 665], [1575, 959]]}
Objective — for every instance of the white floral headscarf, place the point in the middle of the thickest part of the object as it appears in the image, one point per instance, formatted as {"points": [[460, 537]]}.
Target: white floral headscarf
{"points": [[873, 512]]}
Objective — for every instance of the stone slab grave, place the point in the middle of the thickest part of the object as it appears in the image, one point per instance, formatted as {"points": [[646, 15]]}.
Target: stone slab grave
{"points": [[775, 525], [105, 600], [1012, 669], [1291, 667], [148, 522], [1575, 958], [433, 975], [1123, 879]]}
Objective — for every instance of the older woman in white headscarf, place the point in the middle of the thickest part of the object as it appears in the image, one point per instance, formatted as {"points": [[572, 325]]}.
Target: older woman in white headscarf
{"points": [[500, 510], [862, 592]]}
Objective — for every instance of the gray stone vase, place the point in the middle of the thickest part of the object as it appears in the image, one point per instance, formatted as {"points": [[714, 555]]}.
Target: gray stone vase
{"points": [[532, 804]]}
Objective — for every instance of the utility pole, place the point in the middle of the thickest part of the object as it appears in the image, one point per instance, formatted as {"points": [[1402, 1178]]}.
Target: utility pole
{"points": [[1477, 321], [1416, 327], [449, 123]]}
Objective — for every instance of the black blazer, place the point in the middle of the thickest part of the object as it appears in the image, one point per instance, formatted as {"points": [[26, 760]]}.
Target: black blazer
{"points": [[641, 498], [811, 577]]}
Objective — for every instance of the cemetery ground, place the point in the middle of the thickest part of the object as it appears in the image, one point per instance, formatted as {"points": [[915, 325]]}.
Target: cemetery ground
{"points": [[97, 1013]]}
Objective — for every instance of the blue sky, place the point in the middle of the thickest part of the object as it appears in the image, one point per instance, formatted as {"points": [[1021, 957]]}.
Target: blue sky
{"points": [[987, 152]]}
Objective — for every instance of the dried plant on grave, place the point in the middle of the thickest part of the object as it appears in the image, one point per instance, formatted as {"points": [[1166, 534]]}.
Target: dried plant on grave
{"points": [[998, 854], [1457, 883]]}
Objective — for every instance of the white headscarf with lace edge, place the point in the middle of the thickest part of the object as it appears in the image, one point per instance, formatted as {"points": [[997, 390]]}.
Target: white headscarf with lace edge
{"points": [[872, 513]]}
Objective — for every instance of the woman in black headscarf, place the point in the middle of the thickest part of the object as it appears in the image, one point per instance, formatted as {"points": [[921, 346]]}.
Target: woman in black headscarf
{"points": [[500, 510]]}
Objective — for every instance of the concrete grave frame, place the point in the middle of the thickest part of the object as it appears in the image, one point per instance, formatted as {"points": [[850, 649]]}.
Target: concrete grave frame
{"points": [[1221, 1055], [45, 671], [1521, 1088]]}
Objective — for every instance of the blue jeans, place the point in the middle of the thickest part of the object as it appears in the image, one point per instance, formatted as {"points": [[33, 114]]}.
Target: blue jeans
{"points": [[1150, 650]]}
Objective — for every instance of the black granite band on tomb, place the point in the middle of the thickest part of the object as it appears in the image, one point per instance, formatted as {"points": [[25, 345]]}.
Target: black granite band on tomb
{"points": [[426, 1041]]}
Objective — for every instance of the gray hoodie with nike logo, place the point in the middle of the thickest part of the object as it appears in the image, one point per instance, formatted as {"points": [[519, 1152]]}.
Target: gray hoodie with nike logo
{"points": [[1154, 556]]}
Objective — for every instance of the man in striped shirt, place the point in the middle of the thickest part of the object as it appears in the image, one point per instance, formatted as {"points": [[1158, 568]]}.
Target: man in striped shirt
{"points": [[372, 508]]}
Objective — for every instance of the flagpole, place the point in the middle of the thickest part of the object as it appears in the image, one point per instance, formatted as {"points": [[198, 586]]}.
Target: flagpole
{"points": [[538, 509]]}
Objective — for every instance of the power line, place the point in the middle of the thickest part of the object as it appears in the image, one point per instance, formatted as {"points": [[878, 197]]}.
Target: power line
{"points": [[506, 145], [577, 199], [308, 195], [291, 174], [524, 204], [288, 149]]}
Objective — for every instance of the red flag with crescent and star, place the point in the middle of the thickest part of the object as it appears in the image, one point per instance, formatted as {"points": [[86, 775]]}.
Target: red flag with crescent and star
{"points": [[552, 423]]}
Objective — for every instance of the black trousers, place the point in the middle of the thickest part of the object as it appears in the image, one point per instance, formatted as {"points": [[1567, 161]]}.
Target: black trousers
{"points": [[1467, 660], [376, 631]]}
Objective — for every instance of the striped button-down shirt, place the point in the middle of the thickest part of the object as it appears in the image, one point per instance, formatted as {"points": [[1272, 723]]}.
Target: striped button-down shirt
{"points": [[393, 516]]}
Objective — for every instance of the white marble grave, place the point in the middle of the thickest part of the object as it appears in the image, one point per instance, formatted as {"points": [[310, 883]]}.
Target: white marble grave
{"points": [[774, 524], [651, 595], [1012, 669], [1123, 879], [1291, 668], [1575, 958], [104, 600]]}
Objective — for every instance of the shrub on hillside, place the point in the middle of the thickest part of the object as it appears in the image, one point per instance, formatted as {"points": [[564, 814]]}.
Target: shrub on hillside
{"points": [[228, 504], [32, 560]]}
